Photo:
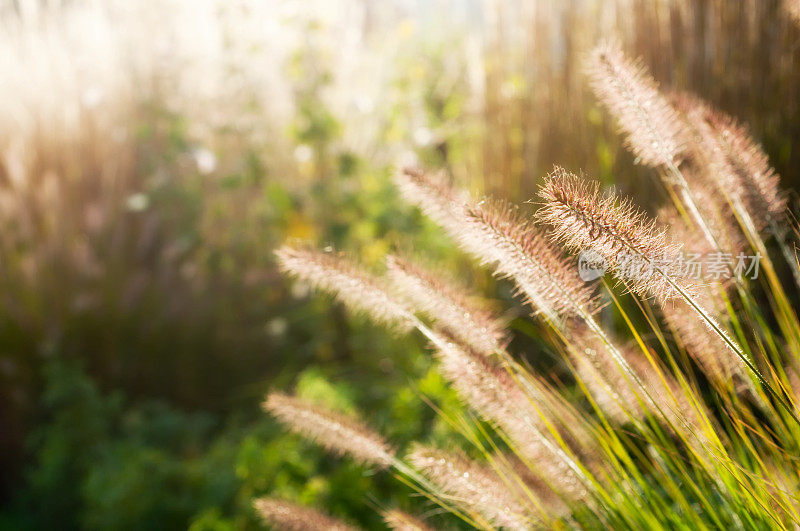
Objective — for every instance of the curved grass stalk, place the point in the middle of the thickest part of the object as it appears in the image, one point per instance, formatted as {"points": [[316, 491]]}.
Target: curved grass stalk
{"points": [[729, 342]]}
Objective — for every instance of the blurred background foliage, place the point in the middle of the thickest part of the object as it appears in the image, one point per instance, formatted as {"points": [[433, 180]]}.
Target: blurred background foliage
{"points": [[153, 154]]}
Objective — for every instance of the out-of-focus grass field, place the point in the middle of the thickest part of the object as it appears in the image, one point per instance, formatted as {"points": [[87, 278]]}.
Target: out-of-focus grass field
{"points": [[154, 153]]}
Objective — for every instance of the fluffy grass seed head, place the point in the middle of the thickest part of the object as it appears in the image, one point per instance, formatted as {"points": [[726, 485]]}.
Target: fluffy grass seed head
{"points": [[292, 517], [444, 302], [717, 215], [635, 249], [706, 348], [760, 184], [730, 159], [495, 233], [433, 194], [472, 485], [671, 400], [356, 288], [603, 378], [618, 396], [503, 238], [490, 391], [631, 94], [336, 432], [521, 410]]}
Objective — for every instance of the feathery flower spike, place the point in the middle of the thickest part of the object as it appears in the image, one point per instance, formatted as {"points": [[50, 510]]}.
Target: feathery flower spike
{"points": [[497, 398], [636, 250], [433, 195], [496, 234], [733, 161], [474, 486], [445, 303], [618, 397], [715, 211], [652, 127], [357, 289], [759, 182], [581, 218], [548, 281], [336, 432], [292, 517], [708, 350], [604, 380]]}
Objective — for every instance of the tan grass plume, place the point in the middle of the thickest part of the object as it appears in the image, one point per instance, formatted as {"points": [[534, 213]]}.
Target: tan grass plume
{"points": [[603, 379], [496, 234], [707, 349], [336, 432], [618, 396], [293, 517], [525, 411], [517, 250], [652, 127], [758, 184], [473, 486], [719, 220], [463, 317], [635, 248], [732, 160], [433, 195], [356, 288]]}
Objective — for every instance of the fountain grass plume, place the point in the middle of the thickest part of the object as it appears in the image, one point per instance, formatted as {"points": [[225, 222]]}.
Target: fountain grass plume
{"points": [[582, 218], [336, 432], [517, 250], [357, 289], [527, 414], [652, 128], [445, 303], [474, 486], [292, 517]]}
